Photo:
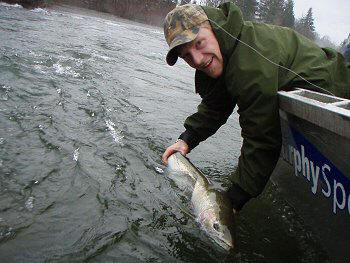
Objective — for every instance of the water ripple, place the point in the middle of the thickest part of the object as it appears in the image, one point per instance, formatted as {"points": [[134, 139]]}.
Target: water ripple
{"points": [[117, 137], [88, 105], [29, 204], [76, 154]]}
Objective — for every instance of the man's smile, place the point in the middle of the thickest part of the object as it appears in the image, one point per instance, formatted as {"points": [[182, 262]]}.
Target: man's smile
{"points": [[208, 63]]}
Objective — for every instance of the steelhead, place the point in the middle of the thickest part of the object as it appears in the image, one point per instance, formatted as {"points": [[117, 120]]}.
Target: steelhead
{"points": [[212, 208]]}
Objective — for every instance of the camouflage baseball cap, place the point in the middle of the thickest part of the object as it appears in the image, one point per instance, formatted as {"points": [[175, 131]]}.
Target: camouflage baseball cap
{"points": [[182, 26]]}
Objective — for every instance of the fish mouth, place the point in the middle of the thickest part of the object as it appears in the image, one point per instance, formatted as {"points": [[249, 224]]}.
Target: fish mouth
{"points": [[225, 244], [223, 239]]}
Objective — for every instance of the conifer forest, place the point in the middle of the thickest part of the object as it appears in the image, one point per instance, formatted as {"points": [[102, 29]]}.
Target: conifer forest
{"points": [[277, 12]]}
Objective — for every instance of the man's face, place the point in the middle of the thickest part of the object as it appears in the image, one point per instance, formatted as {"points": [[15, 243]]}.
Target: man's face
{"points": [[203, 53]]}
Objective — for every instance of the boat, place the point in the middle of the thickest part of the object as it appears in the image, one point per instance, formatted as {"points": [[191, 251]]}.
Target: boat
{"points": [[313, 172]]}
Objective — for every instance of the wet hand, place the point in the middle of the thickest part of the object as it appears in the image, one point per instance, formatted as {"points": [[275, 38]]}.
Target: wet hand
{"points": [[180, 146]]}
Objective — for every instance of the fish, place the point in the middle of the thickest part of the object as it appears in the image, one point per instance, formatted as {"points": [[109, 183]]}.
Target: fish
{"points": [[212, 208]]}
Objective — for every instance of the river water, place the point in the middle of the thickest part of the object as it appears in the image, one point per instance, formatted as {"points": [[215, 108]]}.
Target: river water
{"points": [[87, 107]]}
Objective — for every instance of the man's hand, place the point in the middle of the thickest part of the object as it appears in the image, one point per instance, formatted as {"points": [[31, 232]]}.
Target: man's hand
{"points": [[180, 146]]}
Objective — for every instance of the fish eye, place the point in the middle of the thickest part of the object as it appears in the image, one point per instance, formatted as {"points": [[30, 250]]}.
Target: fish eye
{"points": [[216, 226]]}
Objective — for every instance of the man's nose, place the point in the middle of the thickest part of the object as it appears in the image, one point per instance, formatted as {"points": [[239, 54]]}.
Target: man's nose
{"points": [[197, 57]]}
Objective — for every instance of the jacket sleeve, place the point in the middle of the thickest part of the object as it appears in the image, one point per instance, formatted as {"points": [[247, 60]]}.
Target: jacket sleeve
{"points": [[213, 111], [261, 132]]}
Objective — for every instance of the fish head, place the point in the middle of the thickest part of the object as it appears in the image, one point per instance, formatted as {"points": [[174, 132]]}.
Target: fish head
{"points": [[218, 222]]}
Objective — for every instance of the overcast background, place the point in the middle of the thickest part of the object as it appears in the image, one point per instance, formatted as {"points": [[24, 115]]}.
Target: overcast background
{"points": [[332, 17]]}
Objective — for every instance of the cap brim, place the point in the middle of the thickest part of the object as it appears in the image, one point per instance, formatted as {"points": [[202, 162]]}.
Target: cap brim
{"points": [[171, 57], [183, 38]]}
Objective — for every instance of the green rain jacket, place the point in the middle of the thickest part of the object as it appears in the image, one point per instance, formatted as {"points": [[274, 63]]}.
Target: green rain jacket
{"points": [[251, 82]]}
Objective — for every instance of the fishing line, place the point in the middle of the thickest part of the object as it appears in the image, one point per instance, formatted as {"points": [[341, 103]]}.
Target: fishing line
{"points": [[269, 60]]}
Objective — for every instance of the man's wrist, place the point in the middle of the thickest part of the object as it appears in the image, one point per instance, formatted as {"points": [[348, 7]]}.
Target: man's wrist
{"points": [[190, 138], [238, 197], [180, 140]]}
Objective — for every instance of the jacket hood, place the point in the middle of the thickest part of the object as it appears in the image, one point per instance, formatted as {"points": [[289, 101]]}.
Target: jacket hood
{"points": [[228, 17]]}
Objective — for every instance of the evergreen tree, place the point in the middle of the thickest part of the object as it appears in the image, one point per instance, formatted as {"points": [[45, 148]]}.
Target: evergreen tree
{"points": [[310, 20], [183, 2], [305, 25], [325, 41], [288, 14], [213, 3], [271, 11], [249, 8], [344, 43]]}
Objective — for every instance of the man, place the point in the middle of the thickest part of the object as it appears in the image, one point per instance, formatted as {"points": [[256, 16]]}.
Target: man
{"points": [[245, 63]]}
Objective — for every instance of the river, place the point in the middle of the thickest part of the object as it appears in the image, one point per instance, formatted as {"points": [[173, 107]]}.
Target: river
{"points": [[87, 107]]}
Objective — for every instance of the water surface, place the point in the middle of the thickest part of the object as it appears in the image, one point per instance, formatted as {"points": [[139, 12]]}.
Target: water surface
{"points": [[87, 107]]}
